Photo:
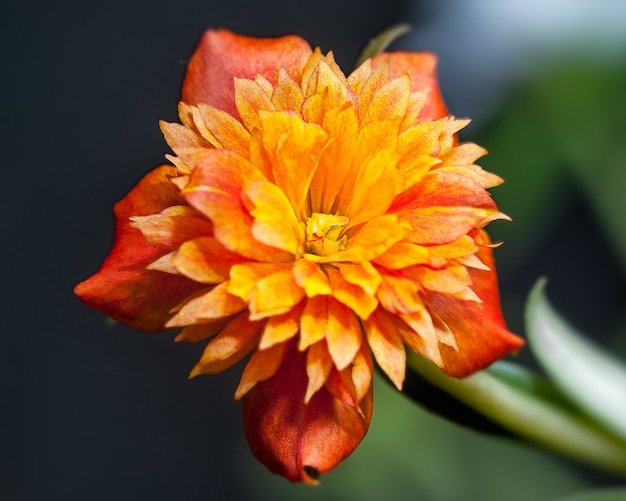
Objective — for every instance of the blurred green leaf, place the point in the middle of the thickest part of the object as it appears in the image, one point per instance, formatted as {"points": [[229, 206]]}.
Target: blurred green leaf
{"points": [[563, 130], [618, 494], [591, 378]]}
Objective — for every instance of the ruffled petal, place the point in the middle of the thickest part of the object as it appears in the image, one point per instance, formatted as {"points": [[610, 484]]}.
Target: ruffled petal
{"points": [[422, 67], [479, 329], [221, 56], [123, 287], [298, 440]]}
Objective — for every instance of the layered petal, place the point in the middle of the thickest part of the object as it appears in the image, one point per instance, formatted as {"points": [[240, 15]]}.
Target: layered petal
{"points": [[123, 287], [296, 440], [221, 56]]}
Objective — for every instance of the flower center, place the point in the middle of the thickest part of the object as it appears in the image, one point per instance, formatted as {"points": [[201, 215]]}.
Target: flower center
{"points": [[322, 234]]}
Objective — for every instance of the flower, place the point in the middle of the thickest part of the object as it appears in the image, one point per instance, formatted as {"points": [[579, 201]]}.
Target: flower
{"points": [[310, 220]]}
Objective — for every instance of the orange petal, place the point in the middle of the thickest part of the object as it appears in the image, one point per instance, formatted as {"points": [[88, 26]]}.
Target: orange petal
{"points": [[221, 56], [351, 295], [275, 223], [215, 189], [250, 98], [298, 440], [213, 305], [124, 288], [227, 130], [311, 278], [294, 148], [205, 260], [386, 345], [318, 367], [480, 332], [274, 295], [343, 335], [262, 365], [172, 226], [235, 341], [422, 67], [281, 328], [314, 321]]}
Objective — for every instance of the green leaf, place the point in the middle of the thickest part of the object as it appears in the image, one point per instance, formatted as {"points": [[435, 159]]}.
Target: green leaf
{"points": [[529, 407], [590, 377], [618, 494], [381, 42]]}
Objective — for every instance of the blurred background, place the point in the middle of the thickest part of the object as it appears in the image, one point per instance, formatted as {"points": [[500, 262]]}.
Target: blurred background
{"points": [[100, 412]]}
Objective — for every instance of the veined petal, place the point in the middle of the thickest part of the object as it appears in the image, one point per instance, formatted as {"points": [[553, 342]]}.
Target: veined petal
{"points": [[311, 278], [251, 98], [205, 260], [262, 365], [335, 164], [386, 345], [172, 226], [212, 305], [274, 295], [421, 66], [287, 95], [402, 255], [390, 101], [479, 328], [222, 56], [351, 295], [275, 223], [318, 366], [343, 334], [281, 328], [123, 286], [314, 321], [294, 148], [231, 345], [378, 183], [399, 294], [297, 440], [227, 130], [244, 276], [215, 189]]}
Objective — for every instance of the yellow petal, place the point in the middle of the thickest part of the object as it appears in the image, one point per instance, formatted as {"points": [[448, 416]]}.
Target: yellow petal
{"points": [[386, 345], [318, 366], [237, 339], [281, 328], [351, 295], [262, 365], [250, 98], [274, 295], [402, 255], [314, 321], [228, 130], [287, 95], [213, 305], [205, 260], [343, 335], [275, 223], [311, 278]]}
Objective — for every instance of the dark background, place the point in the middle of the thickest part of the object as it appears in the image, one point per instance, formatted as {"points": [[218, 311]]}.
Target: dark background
{"points": [[98, 411]]}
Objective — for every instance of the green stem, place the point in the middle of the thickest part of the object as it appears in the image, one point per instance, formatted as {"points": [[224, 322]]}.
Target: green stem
{"points": [[531, 415]]}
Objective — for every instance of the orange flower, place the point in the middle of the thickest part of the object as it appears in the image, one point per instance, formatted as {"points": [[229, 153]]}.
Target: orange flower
{"points": [[311, 220]]}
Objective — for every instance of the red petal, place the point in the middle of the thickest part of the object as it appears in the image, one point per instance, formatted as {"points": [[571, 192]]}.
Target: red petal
{"points": [[295, 439], [422, 66], [479, 329], [123, 288], [222, 56]]}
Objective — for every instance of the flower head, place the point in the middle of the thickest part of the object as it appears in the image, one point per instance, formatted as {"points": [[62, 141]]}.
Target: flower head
{"points": [[313, 222]]}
